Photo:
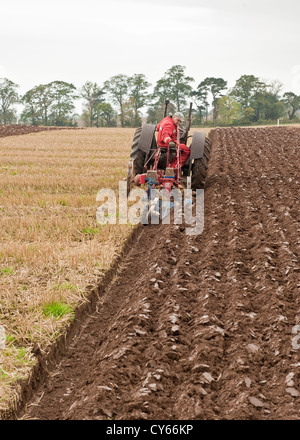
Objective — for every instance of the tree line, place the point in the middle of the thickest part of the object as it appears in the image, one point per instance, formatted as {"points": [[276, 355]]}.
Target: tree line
{"points": [[122, 100]]}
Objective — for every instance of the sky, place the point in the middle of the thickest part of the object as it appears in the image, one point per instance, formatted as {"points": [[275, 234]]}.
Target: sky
{"points": [[93, 40]]}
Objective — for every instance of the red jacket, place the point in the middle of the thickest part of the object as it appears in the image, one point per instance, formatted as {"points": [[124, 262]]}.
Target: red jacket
{"points": [[167, 132]]}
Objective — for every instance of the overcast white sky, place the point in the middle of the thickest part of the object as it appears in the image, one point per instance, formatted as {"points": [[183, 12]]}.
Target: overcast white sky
{"points": [[76, 41]]}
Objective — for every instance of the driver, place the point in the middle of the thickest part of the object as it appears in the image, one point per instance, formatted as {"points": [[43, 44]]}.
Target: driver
{"points": [[167, 135]]}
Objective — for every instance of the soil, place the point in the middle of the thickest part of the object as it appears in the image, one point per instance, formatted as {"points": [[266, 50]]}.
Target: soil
{"points": [[199, 327], [15, 130]]}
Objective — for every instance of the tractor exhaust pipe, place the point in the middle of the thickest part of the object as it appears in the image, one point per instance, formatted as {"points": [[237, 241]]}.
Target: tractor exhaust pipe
{"points": [[188, 125], [189, 120], [166, 107]]}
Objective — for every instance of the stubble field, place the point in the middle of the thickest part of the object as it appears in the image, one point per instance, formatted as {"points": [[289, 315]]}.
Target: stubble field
{"points": [[52, 250]]}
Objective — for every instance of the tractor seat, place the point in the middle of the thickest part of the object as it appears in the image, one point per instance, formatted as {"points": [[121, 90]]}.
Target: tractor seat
{"points": [[174, 150], [163, 156], [163, 151]]}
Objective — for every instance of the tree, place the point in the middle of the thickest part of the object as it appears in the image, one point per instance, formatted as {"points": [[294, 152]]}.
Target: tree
{"points": [[117, 87], [156, 112], [248, 116], [63, 102], [292, 103], [138, 86], [49, 104], [267, 106], [174, 86], [215, 86], [228, 109], [275, 86], [32, 112], [93, 95], [8, 97], [129, 113], [105, 115], [161, 92], [201, 100], [263, 98], [245, 88], [37, 102]]}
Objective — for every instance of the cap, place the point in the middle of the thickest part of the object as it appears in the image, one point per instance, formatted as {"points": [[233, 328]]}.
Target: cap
{"points": [[179, 116]]}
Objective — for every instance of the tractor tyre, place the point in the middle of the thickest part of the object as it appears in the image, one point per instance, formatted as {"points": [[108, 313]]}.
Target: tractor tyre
{"points": [[137, 155], [199, 167]]}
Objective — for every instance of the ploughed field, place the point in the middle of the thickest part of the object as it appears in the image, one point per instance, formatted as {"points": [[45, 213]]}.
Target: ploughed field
{"points": [[199, 327], [16, 130]]}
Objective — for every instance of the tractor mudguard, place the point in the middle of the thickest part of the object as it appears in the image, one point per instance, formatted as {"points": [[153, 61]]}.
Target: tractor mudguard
{"points": [[197, 146], [146, 138]]}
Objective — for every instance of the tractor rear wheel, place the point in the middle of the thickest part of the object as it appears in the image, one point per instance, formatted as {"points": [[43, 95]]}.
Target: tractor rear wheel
{"points": [[137, 155], [199, 167]]}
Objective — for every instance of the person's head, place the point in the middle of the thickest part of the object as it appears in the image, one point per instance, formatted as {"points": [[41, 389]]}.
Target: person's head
{"points": [[178, 118]]}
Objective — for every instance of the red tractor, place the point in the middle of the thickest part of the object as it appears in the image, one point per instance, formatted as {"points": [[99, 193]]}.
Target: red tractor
{"points": [[151, 163], [147, 156]]}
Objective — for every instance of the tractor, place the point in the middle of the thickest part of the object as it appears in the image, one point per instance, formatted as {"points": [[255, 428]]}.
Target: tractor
{"points": [[150, 164]]}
